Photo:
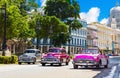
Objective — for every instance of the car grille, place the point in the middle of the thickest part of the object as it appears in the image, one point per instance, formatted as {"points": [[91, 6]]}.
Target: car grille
{"points": [[50, 59], [84, 61]]}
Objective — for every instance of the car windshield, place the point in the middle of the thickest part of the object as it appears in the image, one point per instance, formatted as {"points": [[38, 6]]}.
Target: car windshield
{"points": [[90, 51], [29, 51], [54, 50]]}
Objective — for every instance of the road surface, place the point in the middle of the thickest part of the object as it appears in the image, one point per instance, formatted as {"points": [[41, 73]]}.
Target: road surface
{"points": [[38, 71]]}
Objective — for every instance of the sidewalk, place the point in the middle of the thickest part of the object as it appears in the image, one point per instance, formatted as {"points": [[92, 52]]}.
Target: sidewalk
{"points": [[2, 65]]}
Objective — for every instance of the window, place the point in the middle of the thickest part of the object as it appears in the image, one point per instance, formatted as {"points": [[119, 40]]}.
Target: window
{"points": [[80, 41], [77, 41], [29, 51]]}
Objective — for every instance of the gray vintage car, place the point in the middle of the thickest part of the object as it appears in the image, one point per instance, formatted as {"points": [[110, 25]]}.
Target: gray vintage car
{"points": [[29, 56]]}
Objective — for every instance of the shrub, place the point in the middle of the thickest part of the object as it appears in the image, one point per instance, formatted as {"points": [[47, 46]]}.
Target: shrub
{"points": [[8, 59], [13, 59]]}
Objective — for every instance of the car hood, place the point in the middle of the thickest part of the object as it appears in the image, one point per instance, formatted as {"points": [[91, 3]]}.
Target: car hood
{"points": [[28, 55], [86, 56], [48, 55]]}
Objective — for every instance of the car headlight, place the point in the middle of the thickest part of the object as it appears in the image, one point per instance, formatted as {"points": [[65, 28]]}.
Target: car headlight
{"points": [[32, 57], [42, 59], [20, 57]]}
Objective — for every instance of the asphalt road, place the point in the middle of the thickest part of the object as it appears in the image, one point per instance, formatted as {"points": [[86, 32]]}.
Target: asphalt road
{"points": [[38, 71]]}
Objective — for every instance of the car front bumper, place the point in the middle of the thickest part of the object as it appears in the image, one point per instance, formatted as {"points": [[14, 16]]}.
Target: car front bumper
{"points": [[50, 61], [85, 63], [26, 60]]}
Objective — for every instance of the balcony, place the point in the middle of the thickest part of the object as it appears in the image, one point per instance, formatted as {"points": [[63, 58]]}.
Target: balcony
{"points": [[92, 37]]}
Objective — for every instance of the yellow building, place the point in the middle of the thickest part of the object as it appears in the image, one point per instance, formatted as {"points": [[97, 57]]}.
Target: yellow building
{"points": [[104, 36]]}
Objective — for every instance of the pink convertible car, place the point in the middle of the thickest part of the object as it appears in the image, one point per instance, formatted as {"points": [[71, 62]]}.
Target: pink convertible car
{"points": [[90, 56]]}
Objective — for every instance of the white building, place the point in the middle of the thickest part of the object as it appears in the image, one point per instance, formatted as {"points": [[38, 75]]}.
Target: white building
{"points": [[114, 23]]}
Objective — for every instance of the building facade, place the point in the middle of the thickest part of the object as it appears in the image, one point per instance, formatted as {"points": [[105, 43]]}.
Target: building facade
{"points": [[77, 41], [102, 36], [114, 23], [79, 38], [92, 35]]}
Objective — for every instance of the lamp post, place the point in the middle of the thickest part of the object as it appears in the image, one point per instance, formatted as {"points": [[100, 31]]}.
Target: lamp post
{"points": [[37, 30], [69, 44], [112, 44], [107, 47], [51, 36], [4, 45]]}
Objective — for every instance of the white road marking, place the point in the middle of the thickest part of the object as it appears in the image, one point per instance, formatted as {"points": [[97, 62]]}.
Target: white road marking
{"points": [[111, 74]]}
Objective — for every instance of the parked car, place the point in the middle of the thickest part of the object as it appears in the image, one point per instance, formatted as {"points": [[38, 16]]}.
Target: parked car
{"points": [[29, 56], [55, 55], [90, 56]]}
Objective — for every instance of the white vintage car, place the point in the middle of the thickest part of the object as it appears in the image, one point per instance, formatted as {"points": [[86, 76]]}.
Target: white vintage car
{"points": [[29, 56]]}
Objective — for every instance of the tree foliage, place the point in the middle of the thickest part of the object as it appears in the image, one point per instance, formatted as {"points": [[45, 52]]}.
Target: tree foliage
{"points": [[17, 24], [27, 5], [67, 11], [49, 26], [62, 8]]}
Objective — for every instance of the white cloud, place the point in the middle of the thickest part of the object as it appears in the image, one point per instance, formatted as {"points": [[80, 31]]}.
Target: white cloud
{"points": [[91, 16], [104, 21], [43, 2]]}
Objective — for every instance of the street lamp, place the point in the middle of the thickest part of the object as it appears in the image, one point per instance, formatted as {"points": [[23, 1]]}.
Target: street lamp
{"points": [[107, 47], [112, 44], [37, 29], [51, 36], [4, 45], [69, 44], [70, 37]]}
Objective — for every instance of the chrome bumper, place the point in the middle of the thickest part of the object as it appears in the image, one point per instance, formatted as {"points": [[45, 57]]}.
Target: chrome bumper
{"points": [[84, 64], [50, 61]]}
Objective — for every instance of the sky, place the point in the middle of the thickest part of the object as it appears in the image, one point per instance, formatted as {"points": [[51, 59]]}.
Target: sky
{"points": [[93, 10]]}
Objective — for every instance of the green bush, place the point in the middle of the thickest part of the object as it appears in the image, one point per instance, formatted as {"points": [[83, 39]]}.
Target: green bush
{"points": [[8, 59]]}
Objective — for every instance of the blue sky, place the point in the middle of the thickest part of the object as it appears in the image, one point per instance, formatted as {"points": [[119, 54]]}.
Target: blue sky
{"points": [[103, 5], [93, 10]]}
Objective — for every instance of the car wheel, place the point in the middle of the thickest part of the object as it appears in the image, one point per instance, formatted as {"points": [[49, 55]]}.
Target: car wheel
{"points": [[19, 63], [43, 64], [99, 65], [28, 62], [60, 64], [75, 66], [67, 63], [34, 61], [51, 64], [106, 66]]}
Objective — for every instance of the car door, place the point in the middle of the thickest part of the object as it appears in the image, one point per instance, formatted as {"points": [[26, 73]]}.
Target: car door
{"points": [[64, 57], [103, 59]]}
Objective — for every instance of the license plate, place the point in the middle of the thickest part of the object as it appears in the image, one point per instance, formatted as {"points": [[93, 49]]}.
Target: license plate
{"points": [[80, 61], [83, 63], [87, 61], [49, 62]]}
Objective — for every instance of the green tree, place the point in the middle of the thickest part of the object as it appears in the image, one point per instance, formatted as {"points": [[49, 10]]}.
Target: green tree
{"points": [[60, 39], [66, 10], [50, 26], [62, 8], [17, 24], [27, 5]]}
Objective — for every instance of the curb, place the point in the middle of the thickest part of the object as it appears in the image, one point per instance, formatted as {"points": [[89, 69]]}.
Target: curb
{"points": [[115, 72], [112, 73]]}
